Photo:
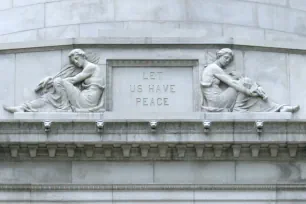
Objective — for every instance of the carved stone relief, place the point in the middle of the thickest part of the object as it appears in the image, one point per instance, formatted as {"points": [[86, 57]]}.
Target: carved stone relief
{"points": [[232, 92], [78, 87]]}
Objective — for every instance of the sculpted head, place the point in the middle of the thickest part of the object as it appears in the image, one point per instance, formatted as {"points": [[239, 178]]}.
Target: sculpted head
{"points": [[78, 57], [224, 57]]}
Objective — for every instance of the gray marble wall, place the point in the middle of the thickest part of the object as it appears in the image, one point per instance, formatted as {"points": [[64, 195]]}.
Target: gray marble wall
{"points": [[277, 20], [256, 30], [153, 172], [179, 182]]}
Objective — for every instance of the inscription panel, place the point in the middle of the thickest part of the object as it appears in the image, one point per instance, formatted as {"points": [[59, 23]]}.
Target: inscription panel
{"points": [[152, 89]]}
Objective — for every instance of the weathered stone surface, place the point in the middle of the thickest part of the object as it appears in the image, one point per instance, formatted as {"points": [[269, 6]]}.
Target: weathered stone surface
{"points": [[22, 36], [194, 172], [272, 15], [73, 197], [217, 196], [7, 82], [250, 116], [282, 19], [5, 4], [91, 30], [35, 172], [112, 172], [29, 2], [78, 11], [34, 62], [18, 19], [171, 10], [297, 72], [66, 116], [200, 29], [298, 4], [15, 197], [157, 196], [282, 36], [267, 172], [241, 32], [290, 196], [233, 12], [163, 29], [276, 2], [270, 71], [71, 31]]}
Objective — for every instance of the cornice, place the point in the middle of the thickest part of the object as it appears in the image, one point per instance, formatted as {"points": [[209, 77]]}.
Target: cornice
{"points": [[113, 136], [150, 187], [70, 43]]}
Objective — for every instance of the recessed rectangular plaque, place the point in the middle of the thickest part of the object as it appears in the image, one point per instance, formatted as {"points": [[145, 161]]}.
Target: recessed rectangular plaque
{"points": [[151, 85], [152, 89]]}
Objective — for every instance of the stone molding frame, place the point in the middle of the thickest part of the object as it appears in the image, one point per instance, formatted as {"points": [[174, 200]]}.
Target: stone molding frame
{"points": [[152, 193], [71, 43], [148, 187], [193, 63]]}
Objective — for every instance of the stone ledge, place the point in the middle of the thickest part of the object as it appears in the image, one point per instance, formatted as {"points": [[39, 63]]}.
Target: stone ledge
{"points": [[145, 187], [247, 116], [146, 117], [57, 116], [103, 41]]}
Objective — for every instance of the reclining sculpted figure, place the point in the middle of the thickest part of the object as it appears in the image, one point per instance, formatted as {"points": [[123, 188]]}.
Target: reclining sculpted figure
{"points": [[240, 94], [78, 87]]}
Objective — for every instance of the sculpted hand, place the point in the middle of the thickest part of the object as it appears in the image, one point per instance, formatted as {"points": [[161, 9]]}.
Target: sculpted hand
{"points": [[45, 81], [252, 93]]}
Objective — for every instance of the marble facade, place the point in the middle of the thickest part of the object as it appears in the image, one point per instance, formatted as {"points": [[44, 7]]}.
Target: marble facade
{"points": [[153, 143]]}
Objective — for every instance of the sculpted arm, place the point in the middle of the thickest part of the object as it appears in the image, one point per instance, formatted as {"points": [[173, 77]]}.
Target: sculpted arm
{"points": [[81, 76], [233, 83]]}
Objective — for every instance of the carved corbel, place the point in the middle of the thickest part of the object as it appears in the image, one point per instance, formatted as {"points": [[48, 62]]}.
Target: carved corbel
{"points": [[181, 149], [236, 150], [70, 150], [273, 150], [14, 150], [163, 150], [107, 150], [259, 126], [206, 126], [52, 150], [199, 150], [292, 148], [144, 150], [153, 125], [255, 150], [89, 150], [218, 150], [32, 150], [126, 150], [47, 125]]}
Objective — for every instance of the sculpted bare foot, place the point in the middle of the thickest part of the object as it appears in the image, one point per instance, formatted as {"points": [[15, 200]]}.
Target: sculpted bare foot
{"points": [[13, 109], [291, 109], [295, 108]]}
